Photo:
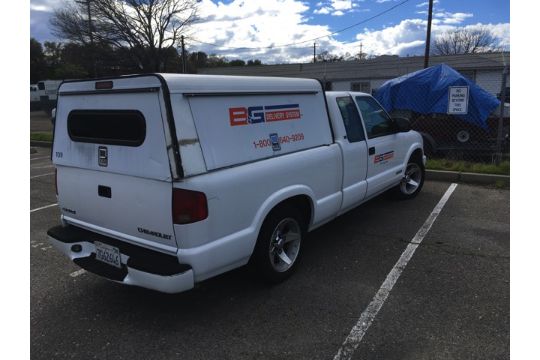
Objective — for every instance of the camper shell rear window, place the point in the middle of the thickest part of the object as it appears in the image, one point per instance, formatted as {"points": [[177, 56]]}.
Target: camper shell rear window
{"points": [[109, 127]]}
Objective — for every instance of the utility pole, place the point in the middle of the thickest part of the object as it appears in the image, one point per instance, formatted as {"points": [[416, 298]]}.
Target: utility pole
{"points": [[314, 53], [183, 55], [428, 35], [360, 55]]}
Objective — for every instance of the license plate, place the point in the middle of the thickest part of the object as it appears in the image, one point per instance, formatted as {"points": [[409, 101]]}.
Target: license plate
{"points": [[108, 254]]}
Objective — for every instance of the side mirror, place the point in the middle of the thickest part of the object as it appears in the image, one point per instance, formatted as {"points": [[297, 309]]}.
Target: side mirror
{"points": [[402, 124]]}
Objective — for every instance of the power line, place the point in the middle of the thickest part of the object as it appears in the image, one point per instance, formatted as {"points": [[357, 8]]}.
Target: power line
{"points": [[309, 40]]}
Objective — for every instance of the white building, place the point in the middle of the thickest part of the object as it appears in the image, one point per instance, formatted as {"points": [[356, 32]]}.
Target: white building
{"points": [[368, 75]]}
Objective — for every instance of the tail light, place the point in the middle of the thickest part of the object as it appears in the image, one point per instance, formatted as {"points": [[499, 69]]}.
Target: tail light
{"points": [[56, 181], [188, 206]]}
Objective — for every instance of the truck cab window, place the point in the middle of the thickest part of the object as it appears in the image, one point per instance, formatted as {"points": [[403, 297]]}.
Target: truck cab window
{"points": [[377, 122], [351, 119]]}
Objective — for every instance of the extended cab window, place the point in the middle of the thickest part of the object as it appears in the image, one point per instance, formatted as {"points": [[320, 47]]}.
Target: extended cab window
{"points": [[351, 119], [377, 122], [110, 127]]}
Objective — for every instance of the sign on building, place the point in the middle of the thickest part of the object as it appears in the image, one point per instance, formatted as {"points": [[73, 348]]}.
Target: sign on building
{"points": [[458, 100]]}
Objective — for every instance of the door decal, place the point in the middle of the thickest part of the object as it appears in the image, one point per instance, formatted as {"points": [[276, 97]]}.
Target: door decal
{"points": [[383, 158]]}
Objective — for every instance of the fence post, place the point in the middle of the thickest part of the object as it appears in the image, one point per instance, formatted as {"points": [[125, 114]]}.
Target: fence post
{"points": [[498, 155]]}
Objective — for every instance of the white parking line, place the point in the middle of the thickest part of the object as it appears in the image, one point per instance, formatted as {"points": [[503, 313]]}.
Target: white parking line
{"points": [[41, 167], [39, 158], [366, 318], [43, 207], [77, 273], [36, 176]]}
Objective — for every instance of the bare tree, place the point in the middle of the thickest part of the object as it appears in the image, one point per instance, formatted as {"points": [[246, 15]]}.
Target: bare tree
{"points": [[465, 41], [326, 56], [148, 28]]}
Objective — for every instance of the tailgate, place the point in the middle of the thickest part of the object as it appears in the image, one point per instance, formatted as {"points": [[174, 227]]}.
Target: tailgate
{"points": [[114, 169]]}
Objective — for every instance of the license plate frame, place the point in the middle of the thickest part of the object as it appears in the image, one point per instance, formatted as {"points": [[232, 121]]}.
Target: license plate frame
{"points": [[108, 254]]}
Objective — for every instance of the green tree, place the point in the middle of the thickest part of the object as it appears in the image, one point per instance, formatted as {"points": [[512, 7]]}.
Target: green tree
{"points": [[237, 62], [37, 61], [216, 61]]}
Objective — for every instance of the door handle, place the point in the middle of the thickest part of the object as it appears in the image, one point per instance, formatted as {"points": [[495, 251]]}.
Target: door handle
{"points": [[372, 151], [104, 191]]}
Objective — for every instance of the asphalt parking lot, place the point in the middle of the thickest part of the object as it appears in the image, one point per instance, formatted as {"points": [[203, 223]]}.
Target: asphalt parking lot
{"points": [[452, 300]]}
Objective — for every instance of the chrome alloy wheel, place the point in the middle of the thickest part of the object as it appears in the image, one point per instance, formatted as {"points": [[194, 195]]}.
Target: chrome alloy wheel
{"points": [[412, 179], [285, 244]]}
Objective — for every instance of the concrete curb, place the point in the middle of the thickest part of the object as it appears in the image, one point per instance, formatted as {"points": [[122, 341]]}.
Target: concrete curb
{"points": [[470, 178], [46, 144]]}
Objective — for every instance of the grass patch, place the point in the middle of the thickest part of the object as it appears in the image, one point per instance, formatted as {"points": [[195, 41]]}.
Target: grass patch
{"points": [[465, 166], [41, 136]]}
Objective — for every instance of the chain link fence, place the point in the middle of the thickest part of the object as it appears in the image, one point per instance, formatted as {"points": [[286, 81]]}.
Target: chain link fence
{"points": [[463, 138], [449, 137]]}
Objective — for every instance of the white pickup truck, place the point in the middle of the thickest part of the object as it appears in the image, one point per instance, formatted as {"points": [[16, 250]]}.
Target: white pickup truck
{"points": [[166, 180]]}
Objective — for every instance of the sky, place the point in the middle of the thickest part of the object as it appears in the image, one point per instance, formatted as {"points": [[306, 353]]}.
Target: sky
{"points": [[283, 31]]}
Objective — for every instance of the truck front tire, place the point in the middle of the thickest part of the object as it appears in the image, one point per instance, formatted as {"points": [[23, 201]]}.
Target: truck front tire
{"points": [[412, 181]]}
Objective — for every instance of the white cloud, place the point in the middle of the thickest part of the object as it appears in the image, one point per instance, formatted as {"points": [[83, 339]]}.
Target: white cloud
{"points": [[395, 39], [337, 7], [45, 5], [426, 3], [39, 8], [408, 37], [452, 18], [323, 11], [341, 4], [255, 24]]}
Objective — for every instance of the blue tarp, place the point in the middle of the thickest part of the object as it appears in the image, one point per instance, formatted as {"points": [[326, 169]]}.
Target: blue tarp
{"points": [[426, 92]]}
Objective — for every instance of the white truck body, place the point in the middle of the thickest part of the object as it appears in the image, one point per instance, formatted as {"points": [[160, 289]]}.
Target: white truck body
{"points": [[131, 152]]}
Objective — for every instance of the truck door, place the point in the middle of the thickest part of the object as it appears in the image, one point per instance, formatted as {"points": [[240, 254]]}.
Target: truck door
{"points": [[385, 153], [354, 149]]}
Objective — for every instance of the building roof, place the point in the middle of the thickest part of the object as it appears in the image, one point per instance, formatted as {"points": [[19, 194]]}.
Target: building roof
{"points": [[382, 67]]}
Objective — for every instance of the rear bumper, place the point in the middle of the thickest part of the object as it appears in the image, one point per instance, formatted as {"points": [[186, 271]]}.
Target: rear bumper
{"points": [[140, 266]]}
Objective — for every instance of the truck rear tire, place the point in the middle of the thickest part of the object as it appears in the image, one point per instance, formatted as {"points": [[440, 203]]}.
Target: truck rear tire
{"points": [[412, 181], [277, 251]]}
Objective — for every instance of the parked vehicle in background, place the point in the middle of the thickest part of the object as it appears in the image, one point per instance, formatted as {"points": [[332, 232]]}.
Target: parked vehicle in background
{"points": [[47, 91], [167, 180], [448, 109], [444, 134], [34, 97]]}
